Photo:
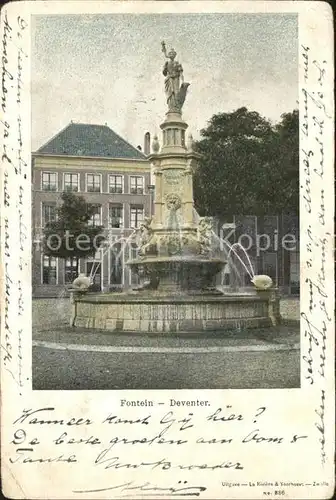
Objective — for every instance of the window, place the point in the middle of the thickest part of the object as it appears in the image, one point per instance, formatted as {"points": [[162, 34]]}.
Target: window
{"points": [[137, 185], [116, 216], [169, 136], [71, 182], [270, 265], [134, 275], [49, 181], [93, 183], [183, 137], [49, 270], [95, 219], [294, 269], [70, 273], [137, 215], [116, 265], [48, 213], [115, 184]]}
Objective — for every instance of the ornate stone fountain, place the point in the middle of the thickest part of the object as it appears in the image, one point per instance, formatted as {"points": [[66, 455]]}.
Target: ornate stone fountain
{"points": [[177, 254]]}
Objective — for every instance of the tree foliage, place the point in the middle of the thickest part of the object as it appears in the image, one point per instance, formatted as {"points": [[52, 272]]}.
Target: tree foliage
{"points": [[72, 235], [248, 166]]}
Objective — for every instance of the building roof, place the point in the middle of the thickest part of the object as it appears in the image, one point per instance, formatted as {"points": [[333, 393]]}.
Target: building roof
{"points": [[79, 139]]}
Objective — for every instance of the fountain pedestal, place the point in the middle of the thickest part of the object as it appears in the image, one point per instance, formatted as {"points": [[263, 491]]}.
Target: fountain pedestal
{"points": [[177, 251]]}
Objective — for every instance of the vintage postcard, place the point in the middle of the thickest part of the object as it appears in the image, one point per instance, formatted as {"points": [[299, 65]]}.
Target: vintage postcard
{"points": [[167, 275]]}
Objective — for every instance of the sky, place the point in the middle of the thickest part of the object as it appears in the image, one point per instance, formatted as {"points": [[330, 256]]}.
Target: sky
{"points": [[107, 69]]}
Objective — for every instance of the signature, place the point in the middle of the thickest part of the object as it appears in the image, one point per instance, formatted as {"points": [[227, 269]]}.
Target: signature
{"points": [[147, 489]]}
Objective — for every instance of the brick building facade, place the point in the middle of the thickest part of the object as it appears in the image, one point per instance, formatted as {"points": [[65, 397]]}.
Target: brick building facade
{"points": [[110, 174]]}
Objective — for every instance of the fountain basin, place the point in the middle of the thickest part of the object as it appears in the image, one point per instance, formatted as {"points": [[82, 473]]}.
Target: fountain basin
{"points": [[178, 274], [155, 312]]}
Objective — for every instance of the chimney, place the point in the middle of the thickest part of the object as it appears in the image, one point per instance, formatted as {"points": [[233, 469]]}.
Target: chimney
{"points": [[147, 144]]}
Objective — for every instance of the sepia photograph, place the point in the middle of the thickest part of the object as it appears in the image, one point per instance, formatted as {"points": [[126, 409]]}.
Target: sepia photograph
{"points": [[165, 201]]}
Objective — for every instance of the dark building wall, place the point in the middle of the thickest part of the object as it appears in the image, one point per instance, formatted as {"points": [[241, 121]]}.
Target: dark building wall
{"points": [[272, 244]]}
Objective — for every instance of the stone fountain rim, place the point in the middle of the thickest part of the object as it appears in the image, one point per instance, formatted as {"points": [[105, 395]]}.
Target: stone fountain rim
{"points": [[156, 298]]}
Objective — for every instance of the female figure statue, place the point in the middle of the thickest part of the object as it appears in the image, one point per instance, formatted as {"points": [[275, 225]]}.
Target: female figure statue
{"points": [[173, 72]]}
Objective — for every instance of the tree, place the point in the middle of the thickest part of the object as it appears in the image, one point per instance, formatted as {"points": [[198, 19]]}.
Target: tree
{"points": [[248, 166], [285, 165], [72, 235]]}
